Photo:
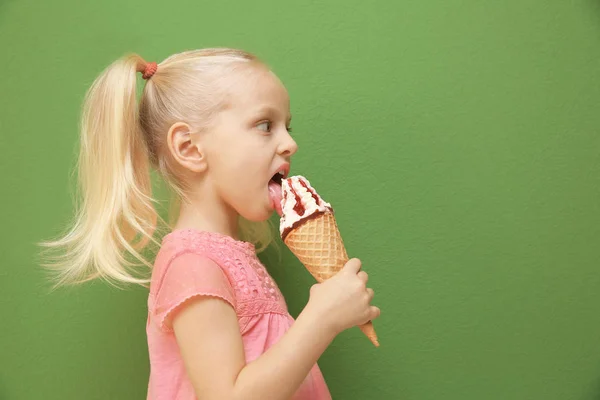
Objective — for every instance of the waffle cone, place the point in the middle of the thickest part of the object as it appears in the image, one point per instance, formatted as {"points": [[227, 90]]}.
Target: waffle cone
{"points": [[318, 245]]}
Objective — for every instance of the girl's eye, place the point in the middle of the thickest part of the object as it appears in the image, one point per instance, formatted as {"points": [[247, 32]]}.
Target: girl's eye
{"points": [[264, 126], [289, 129]]}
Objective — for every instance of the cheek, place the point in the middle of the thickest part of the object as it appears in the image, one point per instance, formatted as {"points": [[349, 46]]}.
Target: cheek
{"points": [[242, 181], [242, 177], [246, 170], [250, 201], [248, 193], [252, 161], [233, 160]]}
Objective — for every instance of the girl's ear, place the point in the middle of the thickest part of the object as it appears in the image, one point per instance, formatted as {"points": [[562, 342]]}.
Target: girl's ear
{"points": [[187, 153]]}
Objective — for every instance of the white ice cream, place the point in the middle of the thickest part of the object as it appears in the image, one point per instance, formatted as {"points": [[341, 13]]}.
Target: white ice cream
{"points": [[300, 201]]}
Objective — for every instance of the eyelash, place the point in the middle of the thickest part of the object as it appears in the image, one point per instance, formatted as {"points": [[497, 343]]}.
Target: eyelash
{"points": [[269, 123]]}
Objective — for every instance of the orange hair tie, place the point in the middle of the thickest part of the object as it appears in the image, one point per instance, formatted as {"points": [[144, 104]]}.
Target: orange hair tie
{"points": [[149, 70]]}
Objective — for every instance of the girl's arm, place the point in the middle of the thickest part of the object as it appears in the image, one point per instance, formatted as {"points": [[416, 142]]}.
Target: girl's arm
{"points": [[211, 346], [209, 340]]}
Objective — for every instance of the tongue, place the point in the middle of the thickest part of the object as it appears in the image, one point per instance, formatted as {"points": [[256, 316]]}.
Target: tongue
{"points": [[275, 195]]}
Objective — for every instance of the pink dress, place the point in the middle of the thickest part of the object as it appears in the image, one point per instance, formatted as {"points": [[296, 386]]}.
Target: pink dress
{"points": [[192, 264]]}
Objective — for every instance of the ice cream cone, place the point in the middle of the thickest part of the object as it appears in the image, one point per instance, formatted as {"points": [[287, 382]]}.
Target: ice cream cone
{"points": [[318, 245]]}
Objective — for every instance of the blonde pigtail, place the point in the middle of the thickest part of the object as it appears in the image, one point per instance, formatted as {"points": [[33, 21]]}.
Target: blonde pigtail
{"points": [[115, 215]]}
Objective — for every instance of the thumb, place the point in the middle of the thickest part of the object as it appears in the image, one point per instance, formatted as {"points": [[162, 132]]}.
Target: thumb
{"points": [[353, 266]]}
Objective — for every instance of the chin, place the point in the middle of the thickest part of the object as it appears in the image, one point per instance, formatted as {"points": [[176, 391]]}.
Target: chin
{"points": [[257, 215], [262, 217], [256, 210]]}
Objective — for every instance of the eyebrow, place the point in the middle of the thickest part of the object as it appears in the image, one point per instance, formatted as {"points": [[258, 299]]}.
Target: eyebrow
{"points": [[272, 111]]}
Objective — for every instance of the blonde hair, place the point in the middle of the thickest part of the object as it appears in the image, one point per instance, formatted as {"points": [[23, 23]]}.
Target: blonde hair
{"points": [[121, 142]]}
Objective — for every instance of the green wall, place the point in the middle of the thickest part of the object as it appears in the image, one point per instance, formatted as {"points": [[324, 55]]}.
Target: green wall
{"points": [[459, 142]]}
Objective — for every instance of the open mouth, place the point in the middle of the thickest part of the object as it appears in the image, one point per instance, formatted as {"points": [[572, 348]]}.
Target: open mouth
{"points": [[278, 177], [281, 174]]}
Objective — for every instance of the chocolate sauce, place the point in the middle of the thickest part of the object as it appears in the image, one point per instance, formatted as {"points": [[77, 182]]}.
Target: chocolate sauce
{"points": [[298, 206], [296, 224], [300, 209]]}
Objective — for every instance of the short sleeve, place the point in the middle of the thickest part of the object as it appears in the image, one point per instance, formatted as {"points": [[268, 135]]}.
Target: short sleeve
{"points": [[187, 277]]}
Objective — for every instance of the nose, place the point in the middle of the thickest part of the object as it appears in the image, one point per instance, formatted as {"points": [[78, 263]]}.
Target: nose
{"points": [[288, 146]]}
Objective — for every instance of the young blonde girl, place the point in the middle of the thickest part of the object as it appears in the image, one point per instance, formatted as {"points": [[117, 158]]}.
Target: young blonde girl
{"points": [[215, 124]]}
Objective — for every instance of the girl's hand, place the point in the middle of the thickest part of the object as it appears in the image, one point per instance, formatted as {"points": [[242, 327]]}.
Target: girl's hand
{"points": [[344, 300]]}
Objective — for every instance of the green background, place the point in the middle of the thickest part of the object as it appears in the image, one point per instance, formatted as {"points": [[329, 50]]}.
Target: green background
{"points": [[458, 141]]}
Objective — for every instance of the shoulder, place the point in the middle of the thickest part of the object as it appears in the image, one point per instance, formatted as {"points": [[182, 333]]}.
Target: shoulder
{"points": [[185, 270], [180, 242], [181, 251]]}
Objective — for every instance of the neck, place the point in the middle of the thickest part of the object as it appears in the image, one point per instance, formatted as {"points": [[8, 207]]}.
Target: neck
{"points": [[207, 215]]}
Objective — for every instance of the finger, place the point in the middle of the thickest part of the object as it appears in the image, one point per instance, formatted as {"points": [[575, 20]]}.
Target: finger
{"points": [[353, 266], [375, 312], [370, 294], [363, 276]]}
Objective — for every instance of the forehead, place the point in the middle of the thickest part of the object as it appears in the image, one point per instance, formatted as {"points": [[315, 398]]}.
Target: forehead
{"points": [[255, 87]]}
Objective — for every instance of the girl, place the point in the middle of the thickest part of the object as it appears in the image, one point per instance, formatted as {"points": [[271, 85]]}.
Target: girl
{"points": [[215, 124]]}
